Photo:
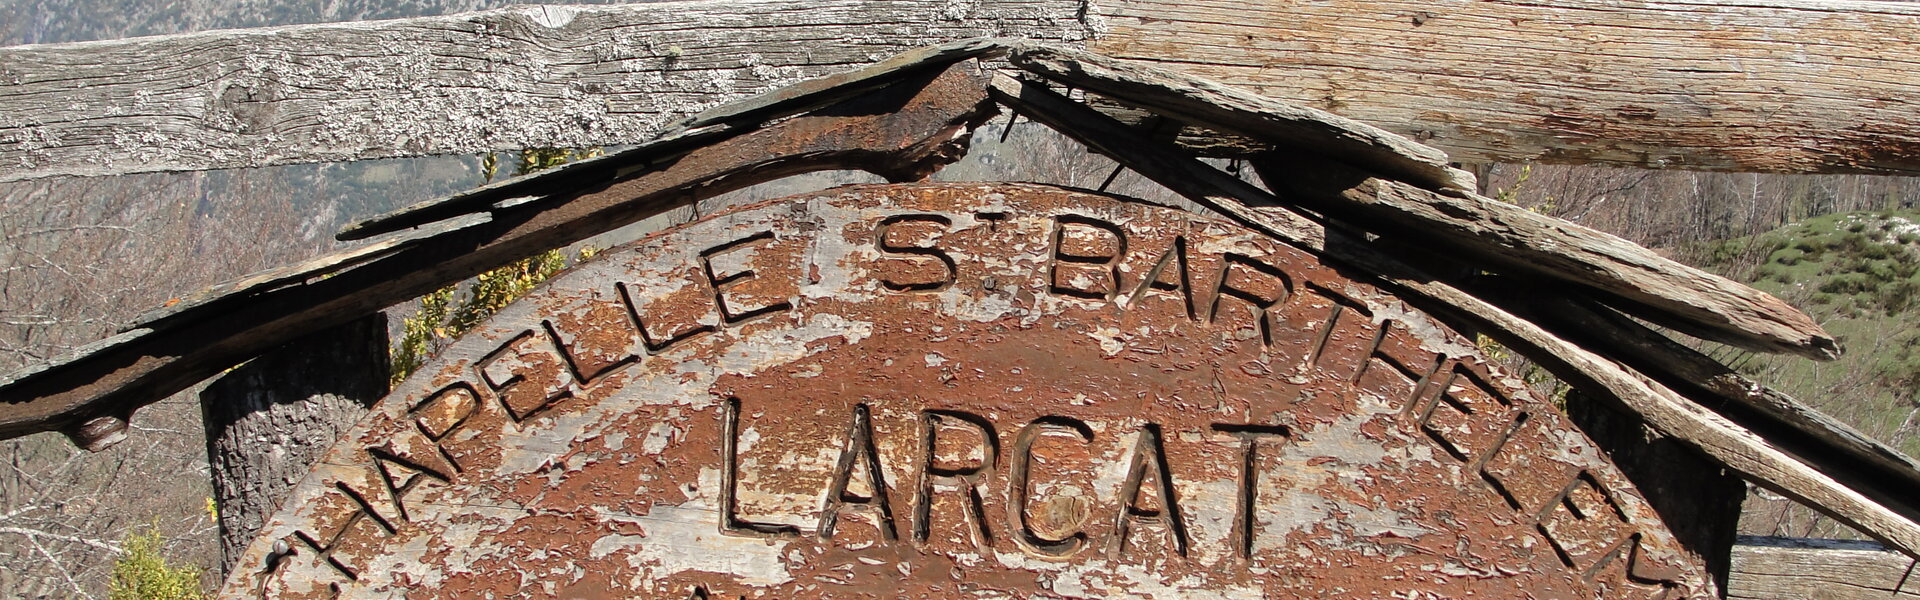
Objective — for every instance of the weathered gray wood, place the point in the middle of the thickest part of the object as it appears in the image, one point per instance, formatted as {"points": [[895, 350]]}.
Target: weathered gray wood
{"points": [[1458, 219], [1772, 85], [705, 128], [1235, 110], [1755, 458], [1882, 472], [903, 132], [553, 76], [269, 419], [1505, 235], [1783, 85], [1770, 568]]}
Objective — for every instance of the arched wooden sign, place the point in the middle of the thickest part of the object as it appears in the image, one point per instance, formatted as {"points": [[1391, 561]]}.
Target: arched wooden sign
{"points": [[960, 391]]}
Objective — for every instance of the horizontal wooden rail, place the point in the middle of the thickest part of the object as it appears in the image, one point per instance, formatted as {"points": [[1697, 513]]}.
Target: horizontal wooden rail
{"points": [[1764, 85], [1769, 568]]}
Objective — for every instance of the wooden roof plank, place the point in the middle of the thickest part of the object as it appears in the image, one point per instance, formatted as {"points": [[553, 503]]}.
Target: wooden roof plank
{"points": [[1885, 473], [1218, 106], [1389, 183], [1756, 458], [1502, 236], [902, 132], [705, 128]]}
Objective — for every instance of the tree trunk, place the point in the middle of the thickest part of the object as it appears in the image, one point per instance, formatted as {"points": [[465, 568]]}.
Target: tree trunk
{"points": [[269, 419]]}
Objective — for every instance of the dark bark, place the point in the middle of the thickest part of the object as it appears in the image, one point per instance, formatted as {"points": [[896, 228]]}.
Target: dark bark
{"points": [[269, 419]]}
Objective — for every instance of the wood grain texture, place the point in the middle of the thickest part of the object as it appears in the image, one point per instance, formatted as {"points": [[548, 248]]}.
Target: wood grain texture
{"points": [[1509, 237], [1204, 102], [1768, 85], [1666, 411], [1881, 471], [1768, 568], [502, 79], [902, 132], [1774, 85]]}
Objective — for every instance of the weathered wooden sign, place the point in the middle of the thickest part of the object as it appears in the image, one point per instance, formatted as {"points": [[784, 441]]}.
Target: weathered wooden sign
{"points": [[964, 390]]}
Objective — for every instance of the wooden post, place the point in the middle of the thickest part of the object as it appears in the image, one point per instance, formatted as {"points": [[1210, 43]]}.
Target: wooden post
{"points": [[269, 419]]}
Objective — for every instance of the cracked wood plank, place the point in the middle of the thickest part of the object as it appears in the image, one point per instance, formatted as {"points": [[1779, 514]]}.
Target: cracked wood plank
{"points": [[502, 79], [1783, 85], [1773, 85], [1213, 105], [1771, 568], [1507, 236], [1882, 472], [1756, 458], [903, 133]]}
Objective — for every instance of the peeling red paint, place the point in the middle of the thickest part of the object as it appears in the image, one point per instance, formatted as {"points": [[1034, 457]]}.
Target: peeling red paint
{"points": [[964, 390]]}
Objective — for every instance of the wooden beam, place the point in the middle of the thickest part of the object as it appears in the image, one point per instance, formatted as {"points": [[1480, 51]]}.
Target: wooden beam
{"points": [[531, 76], [1504, 236], [1779, 85], [902, 132], [1666, 411], [1771, 568], [1766, 85], [1354, 172]]}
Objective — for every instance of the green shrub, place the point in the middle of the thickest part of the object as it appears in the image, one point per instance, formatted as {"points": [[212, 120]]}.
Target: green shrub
{"points": [[441, 320], [1898, 296], [1848, 283], [143, 574]]}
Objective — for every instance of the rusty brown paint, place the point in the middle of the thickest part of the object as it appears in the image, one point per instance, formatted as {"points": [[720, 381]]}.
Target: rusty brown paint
{"points": [[957, 391], [903, 132]]}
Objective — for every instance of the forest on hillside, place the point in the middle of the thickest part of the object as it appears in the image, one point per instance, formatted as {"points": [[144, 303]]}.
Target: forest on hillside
{"points": [[82, 257]]}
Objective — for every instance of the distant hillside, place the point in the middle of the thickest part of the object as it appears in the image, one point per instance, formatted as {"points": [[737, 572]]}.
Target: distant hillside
{"points": [[1857, 273]]}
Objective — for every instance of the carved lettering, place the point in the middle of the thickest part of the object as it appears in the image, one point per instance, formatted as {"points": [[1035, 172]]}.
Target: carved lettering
{"points": [[1019, 488], [1468, 419], [735, 310], [1157, 279], [1096, 435], [859, 449], [654, 344], [1086, 258], [730, 522], [968, 479], [1149, 454], [363, 515], [1258, 284], [386, 463], [443, 413], [1250, 437], [930, 268], [1341, 306], [1585, 526], [590, 372], [527, 380]]}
